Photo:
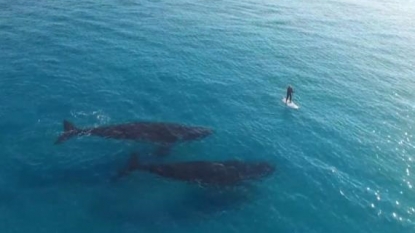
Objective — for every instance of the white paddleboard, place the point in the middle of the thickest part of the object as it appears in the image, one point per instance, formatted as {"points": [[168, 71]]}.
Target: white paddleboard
{"points": [[290, 105]]}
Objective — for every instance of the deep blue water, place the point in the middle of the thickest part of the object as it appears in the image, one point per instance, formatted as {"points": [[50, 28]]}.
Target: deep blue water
{"points": [[345, 159]]}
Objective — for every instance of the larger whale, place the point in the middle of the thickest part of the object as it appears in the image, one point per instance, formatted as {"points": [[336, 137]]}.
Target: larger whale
{"points": [[164, 134], [216, 173]]}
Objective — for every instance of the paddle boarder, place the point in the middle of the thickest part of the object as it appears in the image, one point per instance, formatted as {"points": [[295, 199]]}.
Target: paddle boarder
{"points": [[290, 92]]}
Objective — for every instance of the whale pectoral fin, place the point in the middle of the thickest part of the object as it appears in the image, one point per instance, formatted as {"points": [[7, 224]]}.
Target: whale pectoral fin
{"points": [[69, 131], [163, 149]]}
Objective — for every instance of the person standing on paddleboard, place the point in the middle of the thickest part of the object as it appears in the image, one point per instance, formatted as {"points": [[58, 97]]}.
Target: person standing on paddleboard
{"points": [[290, 92]]}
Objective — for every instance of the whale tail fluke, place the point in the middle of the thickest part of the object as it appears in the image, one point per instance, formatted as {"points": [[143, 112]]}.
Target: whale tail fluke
{"points": [[132, 165], [69, 131]]}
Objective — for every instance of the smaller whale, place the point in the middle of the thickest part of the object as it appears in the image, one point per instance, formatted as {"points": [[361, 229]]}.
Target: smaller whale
{"points": [[225, 173], [164, 134]]}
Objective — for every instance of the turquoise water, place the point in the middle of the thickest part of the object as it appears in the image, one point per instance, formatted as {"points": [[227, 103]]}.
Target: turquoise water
{"points": [[345, 159]]}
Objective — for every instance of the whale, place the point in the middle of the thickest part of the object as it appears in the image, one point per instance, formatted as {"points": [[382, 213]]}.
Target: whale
{"points": [[210, 173], [162, 133]]}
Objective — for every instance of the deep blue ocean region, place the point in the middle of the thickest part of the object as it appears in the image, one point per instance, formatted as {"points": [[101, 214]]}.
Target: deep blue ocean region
{"points": [[344, 160]]}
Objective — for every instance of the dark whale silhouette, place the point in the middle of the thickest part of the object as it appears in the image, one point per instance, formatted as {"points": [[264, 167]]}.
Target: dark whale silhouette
{"points": [[164, 134], [225, 173]]}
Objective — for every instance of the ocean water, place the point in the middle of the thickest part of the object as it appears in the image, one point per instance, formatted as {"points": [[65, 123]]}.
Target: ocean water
{"points": [[345, 159]]}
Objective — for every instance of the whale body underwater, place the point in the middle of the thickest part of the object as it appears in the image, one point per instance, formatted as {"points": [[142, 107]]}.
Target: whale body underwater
{"points": [[217, 173], [163, 134]]}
